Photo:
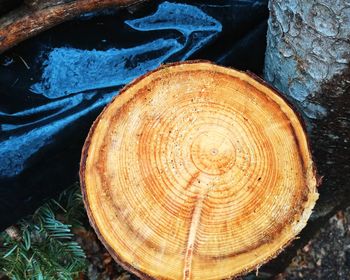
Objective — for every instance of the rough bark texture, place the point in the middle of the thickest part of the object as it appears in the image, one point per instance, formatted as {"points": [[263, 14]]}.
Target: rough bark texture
{"points": [[35, 16], [307, 58]]}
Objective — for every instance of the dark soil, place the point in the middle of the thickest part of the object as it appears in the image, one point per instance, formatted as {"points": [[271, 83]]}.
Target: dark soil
{"points": [[327, 255]]}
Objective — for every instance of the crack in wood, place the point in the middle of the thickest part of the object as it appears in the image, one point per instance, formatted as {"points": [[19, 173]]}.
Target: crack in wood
{"points": [[196, 216]]}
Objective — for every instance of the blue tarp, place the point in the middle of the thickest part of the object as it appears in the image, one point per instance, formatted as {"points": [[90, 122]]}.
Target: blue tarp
{"points": [[53, 86]]}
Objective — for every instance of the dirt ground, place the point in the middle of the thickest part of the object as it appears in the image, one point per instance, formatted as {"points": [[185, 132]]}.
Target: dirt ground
{"points": [[327, 255]]}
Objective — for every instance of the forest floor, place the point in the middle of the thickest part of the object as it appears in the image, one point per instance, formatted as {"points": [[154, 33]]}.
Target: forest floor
{"points": [[327, 255]]}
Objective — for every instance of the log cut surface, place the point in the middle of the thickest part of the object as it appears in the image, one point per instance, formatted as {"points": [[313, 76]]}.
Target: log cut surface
{"points": [[196, 171]]}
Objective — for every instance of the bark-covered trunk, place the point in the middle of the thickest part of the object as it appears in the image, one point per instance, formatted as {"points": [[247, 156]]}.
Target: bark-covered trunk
{"points": [[307, 58], [35, 16]]}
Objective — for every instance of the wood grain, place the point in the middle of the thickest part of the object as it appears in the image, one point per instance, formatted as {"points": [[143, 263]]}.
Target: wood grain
{"points": [[197, 171]]}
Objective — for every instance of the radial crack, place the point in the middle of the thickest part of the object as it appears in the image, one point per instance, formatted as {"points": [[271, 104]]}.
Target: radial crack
{"points": [[196, 216]]}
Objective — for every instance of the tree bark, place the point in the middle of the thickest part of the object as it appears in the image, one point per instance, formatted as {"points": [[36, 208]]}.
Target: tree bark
{"points": [[307, 58], [35, 16], [188, 166]]}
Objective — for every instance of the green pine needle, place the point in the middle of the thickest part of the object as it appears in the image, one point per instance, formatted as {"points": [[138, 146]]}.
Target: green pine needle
{"points": [[46, 249]]}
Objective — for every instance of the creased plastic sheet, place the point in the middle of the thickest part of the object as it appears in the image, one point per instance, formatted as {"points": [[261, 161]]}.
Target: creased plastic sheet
{"points": [[53, 86]]}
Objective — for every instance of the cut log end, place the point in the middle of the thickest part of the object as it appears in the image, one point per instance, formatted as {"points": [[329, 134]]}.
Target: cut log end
{"points": [[196, 171]]}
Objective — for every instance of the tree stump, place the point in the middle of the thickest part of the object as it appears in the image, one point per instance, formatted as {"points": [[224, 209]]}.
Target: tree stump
{"points": [[197, 171]]}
